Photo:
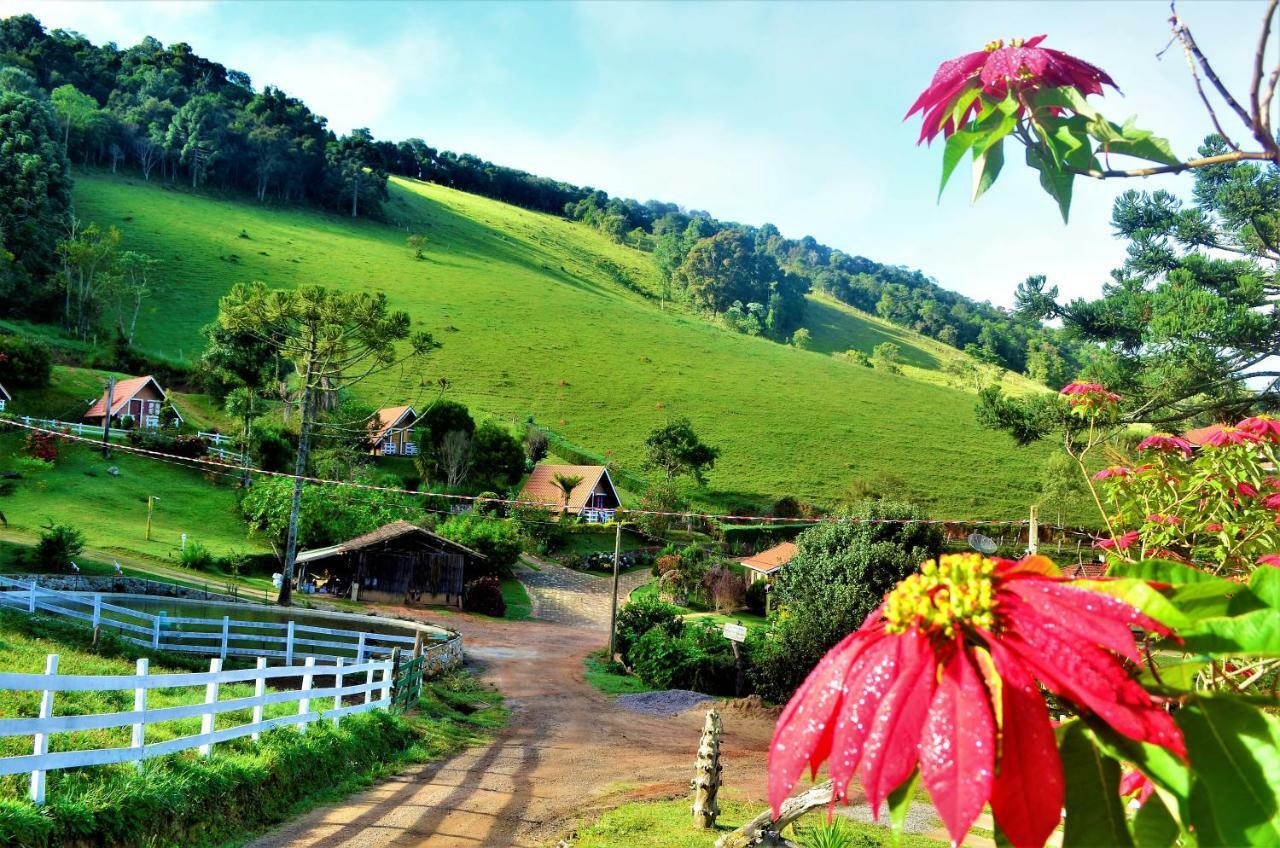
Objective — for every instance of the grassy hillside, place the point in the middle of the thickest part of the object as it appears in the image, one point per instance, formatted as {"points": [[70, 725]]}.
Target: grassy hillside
{"points": [[538, 315]]}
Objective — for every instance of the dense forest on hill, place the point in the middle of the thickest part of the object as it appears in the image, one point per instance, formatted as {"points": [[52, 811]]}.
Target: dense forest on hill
{"points": [[171, 115]]}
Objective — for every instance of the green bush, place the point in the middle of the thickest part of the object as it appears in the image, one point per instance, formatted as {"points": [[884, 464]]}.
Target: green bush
{"points": [[24, 363], [840, 573], [638, 618], [58, 545], [498, 540], [699, 658], [196, 556], [757, 597]]}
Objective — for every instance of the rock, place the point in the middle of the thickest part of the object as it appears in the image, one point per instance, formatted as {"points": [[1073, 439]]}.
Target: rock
{"points": [[114, 471], [10, 475]]}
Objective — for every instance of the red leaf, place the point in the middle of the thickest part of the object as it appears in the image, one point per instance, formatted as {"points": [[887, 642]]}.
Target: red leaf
{"points": [[1028, 793], [957, 751], [1096, 630], [867, 683], [890, 753]]}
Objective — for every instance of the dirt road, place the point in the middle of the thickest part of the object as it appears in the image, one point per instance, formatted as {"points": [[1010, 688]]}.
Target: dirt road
{"points": [[566, 751]]}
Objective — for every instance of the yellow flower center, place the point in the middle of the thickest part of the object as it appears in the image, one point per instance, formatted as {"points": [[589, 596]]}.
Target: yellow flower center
{"points": [[993, 46], [956, 590]]}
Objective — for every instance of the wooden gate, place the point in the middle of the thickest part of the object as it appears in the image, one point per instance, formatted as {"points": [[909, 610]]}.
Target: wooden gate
{"points": [[406, 685]]}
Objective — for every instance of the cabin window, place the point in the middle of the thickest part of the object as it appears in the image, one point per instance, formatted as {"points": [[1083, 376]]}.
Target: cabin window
{"points": [[2, 402], [151, 421]]}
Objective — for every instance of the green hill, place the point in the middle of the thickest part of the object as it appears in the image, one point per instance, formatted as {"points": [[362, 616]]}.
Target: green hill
{"points": [[542, 316]]}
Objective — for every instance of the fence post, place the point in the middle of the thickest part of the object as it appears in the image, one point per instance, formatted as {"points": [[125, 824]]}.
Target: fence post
{"points": [[97, 614], [31, 602], [41, 745], [210, 697], [288, 643], [259, 692], [155, 631], [388, 675], [140, 706], [360, 648], [338, 678], [304, 704], [226, 634], [368, 678]]}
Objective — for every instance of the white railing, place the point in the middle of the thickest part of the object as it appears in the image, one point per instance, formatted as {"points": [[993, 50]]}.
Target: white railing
{"points": [[597, 515], [373, 692], [227, 455], [214, 438], [77, 427], [222, 637]]}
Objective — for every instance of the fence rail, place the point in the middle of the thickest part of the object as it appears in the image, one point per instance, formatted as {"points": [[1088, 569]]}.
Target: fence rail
{"points": [[221, 637], [373, 692], [78, 427]]}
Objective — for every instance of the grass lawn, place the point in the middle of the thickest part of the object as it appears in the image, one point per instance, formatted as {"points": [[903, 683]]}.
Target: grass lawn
{"points": [[642, 824], [217, 801], [786, 421], [516, 596], [650, 590], [611, 678]]}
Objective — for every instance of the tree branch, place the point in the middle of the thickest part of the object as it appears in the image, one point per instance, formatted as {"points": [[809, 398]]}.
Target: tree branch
{"points": [[1190, 164], [1189, 43], [1261, 119]]}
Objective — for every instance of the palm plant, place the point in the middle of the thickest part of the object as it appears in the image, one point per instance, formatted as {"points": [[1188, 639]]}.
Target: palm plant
{"points": [[566, 483]]}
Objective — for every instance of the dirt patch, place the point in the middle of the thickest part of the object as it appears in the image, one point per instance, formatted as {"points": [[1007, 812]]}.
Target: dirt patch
{"points": [[669, 702], [751, 707]]}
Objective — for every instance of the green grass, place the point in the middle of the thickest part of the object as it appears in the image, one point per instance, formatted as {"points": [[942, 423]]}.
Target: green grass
{"points": [[611, 678], [649, 591], [641, 824], [112, 510], [516, 596], [183, 799], [537, 315]]}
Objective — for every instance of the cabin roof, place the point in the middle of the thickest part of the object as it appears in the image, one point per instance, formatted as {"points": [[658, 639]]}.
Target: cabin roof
{"points": [[389, 418], [385, 533], [123, 393], [769, 561], [541, 486], [4, 393]]}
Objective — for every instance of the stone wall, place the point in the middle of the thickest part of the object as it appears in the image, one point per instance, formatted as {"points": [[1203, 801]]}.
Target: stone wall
{"points": [[442, 657], [118, 586]]}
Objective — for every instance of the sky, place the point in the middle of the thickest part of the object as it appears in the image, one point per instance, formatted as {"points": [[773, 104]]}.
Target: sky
{"points": [[786, 113]]}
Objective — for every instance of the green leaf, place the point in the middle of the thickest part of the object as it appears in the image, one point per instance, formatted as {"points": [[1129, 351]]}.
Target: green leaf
{"points": [[1131, 141], [1095, 811], [1265, 585], [957, 145], [1164, 769], [1142, 596], [1053, 179], [1235, 752], [1175, 675], [1254, 633], [1066, 97], [1153, 827], [1163, 571], [1210, 600], [899, 802], [986, 167]]}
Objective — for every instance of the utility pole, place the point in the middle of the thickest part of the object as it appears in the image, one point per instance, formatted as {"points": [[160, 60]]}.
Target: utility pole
{"points": [[613, 610], [1033, 532], [106, 419], [151, 505]]}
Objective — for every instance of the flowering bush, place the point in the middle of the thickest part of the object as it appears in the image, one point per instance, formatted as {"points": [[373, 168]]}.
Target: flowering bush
{"points": [[943, 683], [42, 446]]}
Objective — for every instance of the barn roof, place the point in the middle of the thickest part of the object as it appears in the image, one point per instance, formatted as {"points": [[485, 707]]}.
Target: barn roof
{"points": [[4, 393], [541, 486], [385, 533], [390, 417], [767, 562], [123, 393]]}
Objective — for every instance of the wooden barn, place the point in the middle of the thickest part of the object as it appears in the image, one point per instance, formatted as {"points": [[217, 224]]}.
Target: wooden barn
{"points": [[399, 563], [136, 401]]}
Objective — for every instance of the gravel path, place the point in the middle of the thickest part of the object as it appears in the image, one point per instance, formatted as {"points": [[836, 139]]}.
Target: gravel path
{"points": [[576, 598], [666, 703]]}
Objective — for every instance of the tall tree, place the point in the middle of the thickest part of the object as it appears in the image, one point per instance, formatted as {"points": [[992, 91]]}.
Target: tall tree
{"points": [[335, 340], [566, 483], [676, 449]]}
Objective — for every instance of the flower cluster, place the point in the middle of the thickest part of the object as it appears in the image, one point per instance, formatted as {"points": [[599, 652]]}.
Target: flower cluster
{"points": [[1167, 443], [1090, 398], [945, 676], [1020, 66]]}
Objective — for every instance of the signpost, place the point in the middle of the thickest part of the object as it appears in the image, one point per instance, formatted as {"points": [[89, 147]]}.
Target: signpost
{"points": [[737, 634]]}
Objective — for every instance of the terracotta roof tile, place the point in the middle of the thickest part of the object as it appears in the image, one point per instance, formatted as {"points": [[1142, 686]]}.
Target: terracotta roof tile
{"points": [[541, 487], [767, 562], [387, 418], [123, 393]]}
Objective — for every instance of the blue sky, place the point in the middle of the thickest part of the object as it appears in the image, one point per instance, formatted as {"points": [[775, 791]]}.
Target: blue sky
{"points": [[787, 113]]}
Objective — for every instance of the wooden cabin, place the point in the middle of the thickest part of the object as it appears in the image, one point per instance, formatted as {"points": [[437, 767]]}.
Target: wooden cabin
{"points": [[393, 432], [594, 498], [764, 565], [136, 401], [399, 563], [5, 397]]}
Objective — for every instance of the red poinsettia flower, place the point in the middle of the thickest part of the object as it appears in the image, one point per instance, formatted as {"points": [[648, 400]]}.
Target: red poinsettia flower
{"points": [[1212, 527], [1118, 543], [1246, 490], [1272, 501], [1136, 786], [1021, 65], [1265, 427], [1166, 443], [1227, 436], [1112, 471], [1158, 518], [1272, 560], [943, 677]]}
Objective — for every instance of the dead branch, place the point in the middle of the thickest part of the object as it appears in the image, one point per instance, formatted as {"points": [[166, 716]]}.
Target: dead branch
{"points": [[764, 829]]}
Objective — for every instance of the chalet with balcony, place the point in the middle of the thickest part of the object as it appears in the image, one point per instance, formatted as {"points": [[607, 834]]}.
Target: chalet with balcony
{"points": [[135, 402], [393, 432], [5, 397], [594, 498]]}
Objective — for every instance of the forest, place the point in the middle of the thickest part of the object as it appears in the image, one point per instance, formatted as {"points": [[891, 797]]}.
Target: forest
{"points": [[173, 116]]}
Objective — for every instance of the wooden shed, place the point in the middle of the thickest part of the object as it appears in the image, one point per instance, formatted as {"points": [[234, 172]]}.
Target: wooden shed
{"points": [[399, 563]]}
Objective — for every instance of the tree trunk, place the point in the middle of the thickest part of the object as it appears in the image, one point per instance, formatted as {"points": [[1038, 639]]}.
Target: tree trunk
{"points": [[300, 469], [706, 778], [355, 194]]}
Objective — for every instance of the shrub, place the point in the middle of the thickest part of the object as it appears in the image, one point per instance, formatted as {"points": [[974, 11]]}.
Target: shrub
{"points": [[639, 617], [24, 363], [698, 658], [42, 446], [196, 556], [58, 545], [726, 588], [840, 573], [498, 540], [535, 444], [539, 526], [484, 595], [757, 597]]}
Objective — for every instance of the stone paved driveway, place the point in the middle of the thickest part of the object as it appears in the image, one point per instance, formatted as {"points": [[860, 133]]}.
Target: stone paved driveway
{"points": [[571, 597]]}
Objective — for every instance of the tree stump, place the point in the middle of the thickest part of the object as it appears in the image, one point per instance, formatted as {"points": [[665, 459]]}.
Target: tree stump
{"points": [[706, 780]]}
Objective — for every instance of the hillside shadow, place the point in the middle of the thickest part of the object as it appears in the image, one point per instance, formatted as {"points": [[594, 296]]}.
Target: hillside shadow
{"points": [[836, 330], [464, 236]]}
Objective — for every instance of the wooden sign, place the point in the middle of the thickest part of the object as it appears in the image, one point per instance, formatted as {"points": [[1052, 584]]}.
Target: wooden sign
{"points": [[735, 632]]}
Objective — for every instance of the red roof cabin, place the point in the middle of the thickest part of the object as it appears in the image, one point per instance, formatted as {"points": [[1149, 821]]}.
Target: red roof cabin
{"points": [[764, 565], [136, 402], [594, 498], [393, 432]]}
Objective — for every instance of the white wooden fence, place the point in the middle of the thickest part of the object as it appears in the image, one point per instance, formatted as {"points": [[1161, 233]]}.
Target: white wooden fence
{"points": [[78, 427], [222, 637], [372, 692]]}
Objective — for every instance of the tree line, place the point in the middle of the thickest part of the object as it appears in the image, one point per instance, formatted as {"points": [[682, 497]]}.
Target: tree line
{"points": [[171, 115]]}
